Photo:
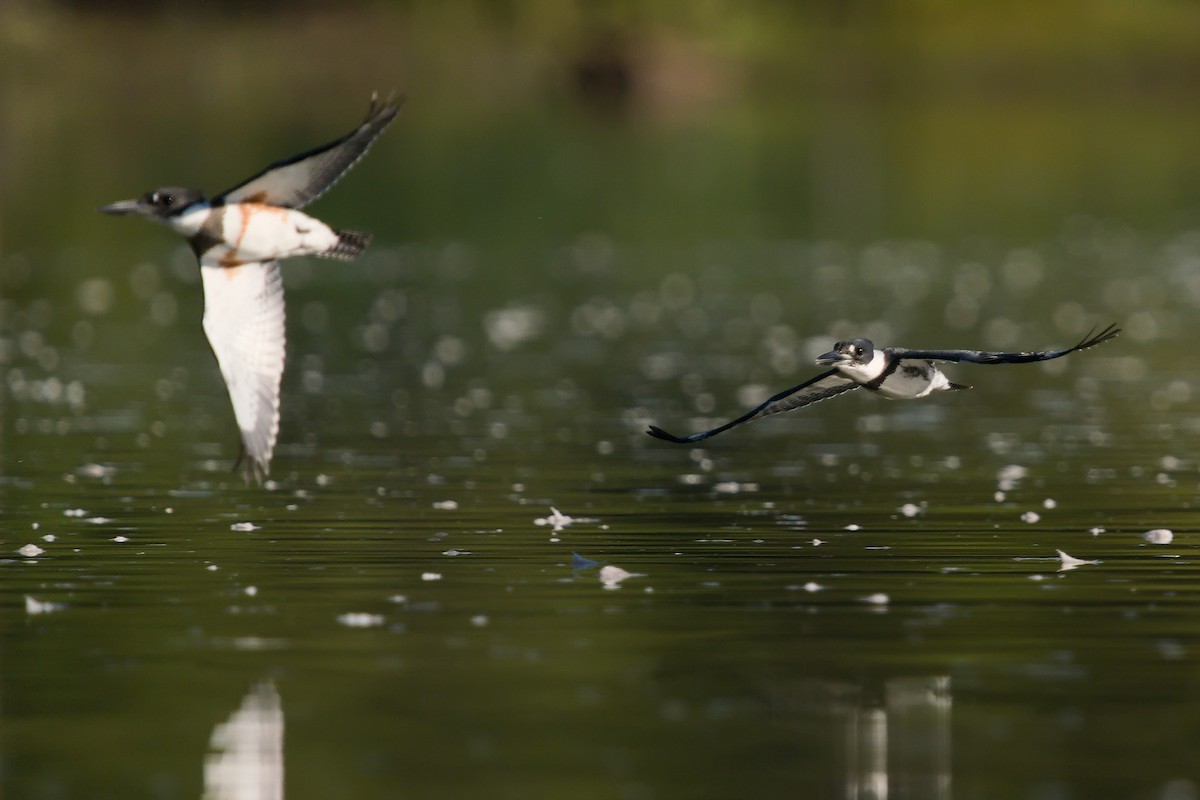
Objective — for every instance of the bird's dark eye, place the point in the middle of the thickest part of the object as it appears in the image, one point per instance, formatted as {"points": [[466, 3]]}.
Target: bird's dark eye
{"points": [[858, 351], [161, 199]]}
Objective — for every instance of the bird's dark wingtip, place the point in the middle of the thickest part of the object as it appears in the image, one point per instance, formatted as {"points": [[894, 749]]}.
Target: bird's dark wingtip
{"points": [[659, 433], [389, 107], [1110, 332]]}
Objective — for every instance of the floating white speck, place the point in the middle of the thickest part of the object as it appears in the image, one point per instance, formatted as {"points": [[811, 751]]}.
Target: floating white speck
{"points": [[30, 550], [1010, 475], [99, 520], [1031, 517], [212, 568], [446, 505], [1037, 577], [1049, 502], [1096, 531], [733, 487], [612, 575], [818, 542], [557, 520], [399, 599], [431, 576], [324, 480], [999, 497], [35, 606], [360, 619], [1070, 562], [49, 537], [909, 510], [877, 599], [250, 591], [256, 644], [812, 586], [244, 527], [75, 512], [852, 527], [453, 552], [480, 620], [1158, 536], [95, 471], [120, 538]]}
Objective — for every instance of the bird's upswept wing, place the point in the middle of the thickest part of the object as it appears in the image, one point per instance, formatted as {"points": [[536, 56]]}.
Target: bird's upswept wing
{"points": [[244, 323], [297, 181], [984, 357], [822, 387]]}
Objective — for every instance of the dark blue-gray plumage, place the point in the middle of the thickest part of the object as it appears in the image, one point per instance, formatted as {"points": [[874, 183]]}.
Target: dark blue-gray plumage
{"points": [[894, 372]]}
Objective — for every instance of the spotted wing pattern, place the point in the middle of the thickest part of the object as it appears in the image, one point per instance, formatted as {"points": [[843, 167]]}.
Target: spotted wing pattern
{"points": [[984, 357], [244, 323], [297, 181], [826, 385]]}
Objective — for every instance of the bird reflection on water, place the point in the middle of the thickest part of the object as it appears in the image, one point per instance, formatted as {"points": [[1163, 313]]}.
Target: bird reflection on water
{"points": [[245, 759]]}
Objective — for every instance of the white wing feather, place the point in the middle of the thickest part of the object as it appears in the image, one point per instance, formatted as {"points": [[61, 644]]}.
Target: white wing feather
{"points": [[244, 323]]}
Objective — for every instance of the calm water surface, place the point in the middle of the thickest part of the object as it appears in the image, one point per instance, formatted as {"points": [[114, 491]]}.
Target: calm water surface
{"points": [[860, 599]]}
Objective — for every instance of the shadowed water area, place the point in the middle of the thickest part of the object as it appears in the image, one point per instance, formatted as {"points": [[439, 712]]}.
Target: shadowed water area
{"points": [[471, 573]]}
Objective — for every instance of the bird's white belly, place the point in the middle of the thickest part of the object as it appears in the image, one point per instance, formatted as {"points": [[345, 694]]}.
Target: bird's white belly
{"points": [[260, 232], [911, 381]]}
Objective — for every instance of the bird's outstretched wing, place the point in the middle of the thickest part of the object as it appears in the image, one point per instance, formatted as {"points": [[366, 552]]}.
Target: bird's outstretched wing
{"points": [[983, 357], [297, 181], [826, 385], [244, 323]]}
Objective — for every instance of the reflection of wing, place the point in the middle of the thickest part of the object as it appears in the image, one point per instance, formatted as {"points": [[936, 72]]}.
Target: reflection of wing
{"points": [[243, 319], [297, 181], [245, 758], [826, 385], [981, 357]]}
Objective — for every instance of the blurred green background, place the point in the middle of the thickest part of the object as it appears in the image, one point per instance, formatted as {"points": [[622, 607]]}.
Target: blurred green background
{"points": [[536, 121]]}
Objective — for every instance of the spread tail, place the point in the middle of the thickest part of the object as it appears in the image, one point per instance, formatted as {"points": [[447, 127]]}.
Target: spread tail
{"points": [[959, 386], [349, 246]]}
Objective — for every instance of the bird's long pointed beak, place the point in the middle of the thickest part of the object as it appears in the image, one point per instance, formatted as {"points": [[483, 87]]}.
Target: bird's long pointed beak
{"points": [[123, 207], [832, 358]]}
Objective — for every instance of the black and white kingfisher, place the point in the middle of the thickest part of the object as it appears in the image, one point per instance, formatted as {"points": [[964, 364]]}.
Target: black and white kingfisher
{"points": [[239, 237], [894, 372]]}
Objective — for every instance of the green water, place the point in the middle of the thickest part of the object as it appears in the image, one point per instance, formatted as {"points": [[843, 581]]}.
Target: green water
{"points": [[859, 599]]}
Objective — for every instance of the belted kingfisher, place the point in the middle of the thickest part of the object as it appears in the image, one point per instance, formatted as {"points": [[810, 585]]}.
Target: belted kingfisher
{"points": [[238, 238], [894, 372]]}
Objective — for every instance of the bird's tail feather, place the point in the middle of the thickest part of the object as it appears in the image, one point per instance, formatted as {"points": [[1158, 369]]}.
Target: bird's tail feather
{"points": [[959, 386], [349, 246]]}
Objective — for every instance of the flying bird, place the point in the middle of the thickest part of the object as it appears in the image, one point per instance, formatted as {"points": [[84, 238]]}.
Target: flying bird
{"points": [[239, 237], [894, 372]]}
